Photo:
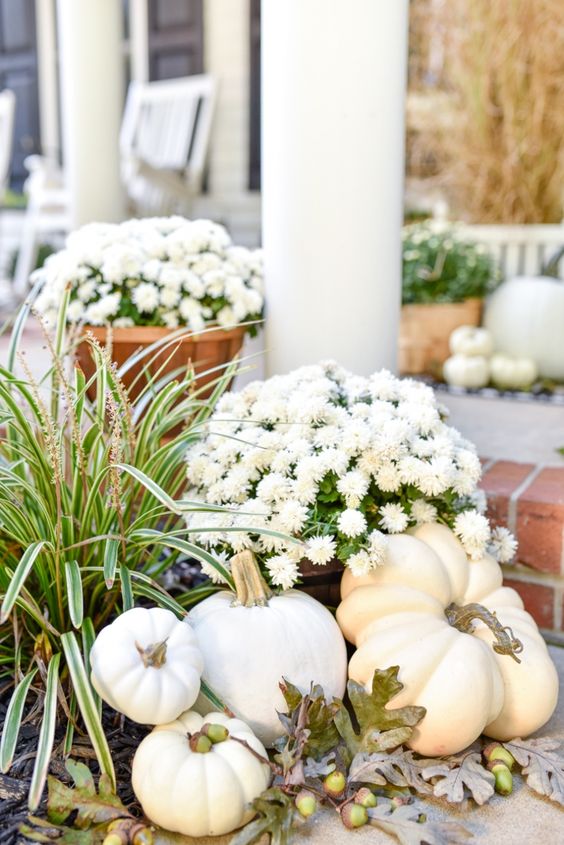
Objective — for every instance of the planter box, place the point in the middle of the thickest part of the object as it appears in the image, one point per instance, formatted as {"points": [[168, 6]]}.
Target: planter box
{"points": [[204, 350], [425, 330]]}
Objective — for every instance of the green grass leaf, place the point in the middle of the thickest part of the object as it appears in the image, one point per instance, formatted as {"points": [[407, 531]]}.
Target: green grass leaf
{"points": [[12, 722], [87, 704], [126, 589], [75, 596], [46, 735], [21, 572], [110, 562]]}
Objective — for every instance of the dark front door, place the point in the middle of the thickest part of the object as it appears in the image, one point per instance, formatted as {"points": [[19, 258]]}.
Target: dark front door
{"points": [[175, 38], [254, 112], [18, 71]]}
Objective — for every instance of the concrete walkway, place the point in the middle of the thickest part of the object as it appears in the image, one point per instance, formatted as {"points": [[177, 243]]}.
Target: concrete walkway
{"points": [[520, 819]]}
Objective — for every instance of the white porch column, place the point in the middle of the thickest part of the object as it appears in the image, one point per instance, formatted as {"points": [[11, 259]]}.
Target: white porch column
{"points": [[334, 79], [92, 92], [47, 78], [139, 39]]}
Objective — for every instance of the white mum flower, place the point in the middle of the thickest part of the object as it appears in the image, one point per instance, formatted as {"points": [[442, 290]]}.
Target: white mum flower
{"points": [[423, 512], [75, 311], [283, 571], [145, 297], [353, 486], [212, 573], [393, 518], [360, 563], [351, 522], [292, 516], [378, 547], [321, 549], [473, 530], [503, 545]]}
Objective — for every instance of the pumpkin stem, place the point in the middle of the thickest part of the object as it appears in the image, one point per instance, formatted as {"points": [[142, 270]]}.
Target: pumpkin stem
{"points": [[250, 586], [462, 618], [154, 655]]}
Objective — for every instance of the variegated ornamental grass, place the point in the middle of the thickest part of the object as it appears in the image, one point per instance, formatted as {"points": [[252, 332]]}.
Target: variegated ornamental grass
{"points": [[91, 513]]}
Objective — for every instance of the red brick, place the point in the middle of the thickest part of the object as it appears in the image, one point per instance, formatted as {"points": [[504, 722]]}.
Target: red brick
{"points": [[540, 521], [499, 482], [538, 600]]}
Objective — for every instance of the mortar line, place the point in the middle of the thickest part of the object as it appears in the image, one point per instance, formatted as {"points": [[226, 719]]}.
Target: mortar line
{"points": [[513, 499]]}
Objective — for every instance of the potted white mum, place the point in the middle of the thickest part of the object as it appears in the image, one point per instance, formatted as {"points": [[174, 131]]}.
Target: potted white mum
{"points": [[137, 281], [339, 462]]}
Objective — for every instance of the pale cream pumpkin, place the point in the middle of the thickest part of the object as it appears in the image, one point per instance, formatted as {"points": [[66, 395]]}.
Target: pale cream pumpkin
{"points": [[254, 639], [492, 674], [188, 784]]}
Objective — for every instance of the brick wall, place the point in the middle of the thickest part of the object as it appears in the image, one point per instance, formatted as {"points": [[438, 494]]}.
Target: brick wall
{"points": [[529, 500]]}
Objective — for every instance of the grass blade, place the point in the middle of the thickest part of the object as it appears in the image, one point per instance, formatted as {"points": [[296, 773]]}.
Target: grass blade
{"points": [[12, 722], [21, 572], [150, 485], [88, 637], [110, 562], [126, 589], [162, 599], [87, 704], [74, 592], [46, 735], [213, 698]]}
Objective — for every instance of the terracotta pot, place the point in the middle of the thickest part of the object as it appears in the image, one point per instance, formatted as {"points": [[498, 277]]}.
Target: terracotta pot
{"points": [[322, 582], [204, 350], [425, 330]]}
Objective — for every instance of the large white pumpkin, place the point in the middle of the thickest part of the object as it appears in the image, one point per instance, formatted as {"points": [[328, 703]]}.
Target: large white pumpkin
{"points": [[525, 317], [199, 793], [253, 640], [147, 664], [397, 616]]}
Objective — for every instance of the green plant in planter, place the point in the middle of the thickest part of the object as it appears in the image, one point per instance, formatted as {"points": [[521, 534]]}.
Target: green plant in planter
{"points": [[90, 498], [440, 266]]}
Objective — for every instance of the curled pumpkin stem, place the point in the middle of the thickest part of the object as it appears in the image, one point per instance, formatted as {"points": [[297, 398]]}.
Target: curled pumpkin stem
{"points": [[153, 655], [462, 618]]}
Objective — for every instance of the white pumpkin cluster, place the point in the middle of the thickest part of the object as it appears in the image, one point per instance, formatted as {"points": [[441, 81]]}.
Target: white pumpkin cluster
{"points": [[153, 272], [339, 462], [474, 364]]}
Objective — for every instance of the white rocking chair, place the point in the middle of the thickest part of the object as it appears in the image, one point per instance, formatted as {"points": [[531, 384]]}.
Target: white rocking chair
{"points": [[164, 141], [7, 115]]}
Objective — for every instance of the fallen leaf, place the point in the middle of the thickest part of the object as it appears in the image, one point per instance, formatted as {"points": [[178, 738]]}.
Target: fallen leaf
{"points": [[455, 775], [541, 767], [276, 815], [373, 717], [92, 807], [320, 768], [404, 824], [398, 768]]}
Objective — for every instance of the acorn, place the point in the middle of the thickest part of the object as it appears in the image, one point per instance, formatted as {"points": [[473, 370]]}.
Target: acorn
{"points": [[503, 777], [354, 815], [306, 803], [200, 743], [365, 797], [216, 733], [334, 784], [495, 751], [143, 836], [117, 837]]}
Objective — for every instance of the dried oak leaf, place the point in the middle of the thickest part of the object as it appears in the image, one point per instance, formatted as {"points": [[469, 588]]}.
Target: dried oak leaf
{"points": [[457, 776], [404, 824], [320, 768], [317, 719], [542, 768], [92, 807], [398, 768], [378, 727], [276, 813], [43, 831]]}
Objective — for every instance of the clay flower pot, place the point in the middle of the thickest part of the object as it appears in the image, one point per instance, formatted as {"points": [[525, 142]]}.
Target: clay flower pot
{"points": [[204, 350], [425, 330]]}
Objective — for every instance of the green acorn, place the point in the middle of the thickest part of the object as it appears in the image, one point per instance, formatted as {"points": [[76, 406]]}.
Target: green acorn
{"points": [[306, 803], [216, 733], [495, 751], [503, 777], [365, 797], [354, 815], [334, 784]]}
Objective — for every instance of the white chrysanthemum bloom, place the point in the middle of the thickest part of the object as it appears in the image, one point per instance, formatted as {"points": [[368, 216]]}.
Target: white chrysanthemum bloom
{"points": [[86, 290], [423, 512], [393, 518], [503, 545], [283, 571], [145, 297], [479, 500], [360, 563], [351, 522], [170, 296], [292, 516], [388, 477], [320, 549], [123, 323], [212, 573], [473, 531], [378, 546], [75, 311], [353, 486]]}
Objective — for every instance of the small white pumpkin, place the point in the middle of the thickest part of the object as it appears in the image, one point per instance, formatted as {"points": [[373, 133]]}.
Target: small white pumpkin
{"points": [[512, 373], [526, 319], [471, 340], [466, 371], [189, 784], [254, 639], [147, 665], [467, 650]]}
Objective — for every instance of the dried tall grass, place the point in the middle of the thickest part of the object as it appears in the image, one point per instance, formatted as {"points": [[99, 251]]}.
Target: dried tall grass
{"points": [[505, 151]]}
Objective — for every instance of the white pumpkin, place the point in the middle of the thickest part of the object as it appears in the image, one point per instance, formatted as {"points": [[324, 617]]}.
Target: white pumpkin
{"points": [[466, 371], [254, 639], [398, 615], [203, 792], [471, 340], [526, 319], [512, 373], [147, 665]]}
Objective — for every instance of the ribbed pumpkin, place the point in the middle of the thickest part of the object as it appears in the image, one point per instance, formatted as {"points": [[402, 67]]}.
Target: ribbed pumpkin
{"points": [[467, 650]]}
